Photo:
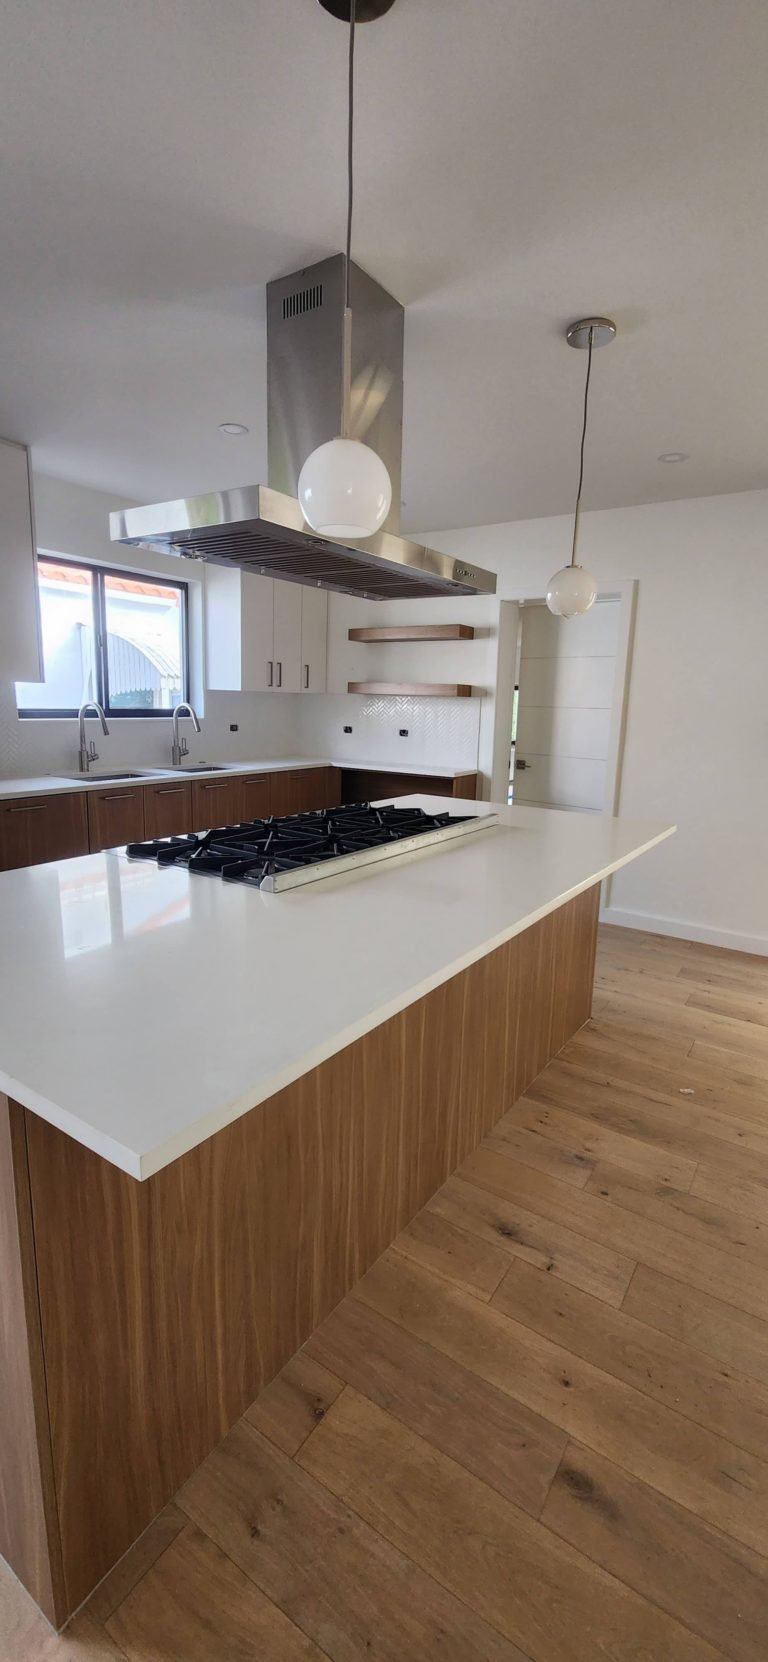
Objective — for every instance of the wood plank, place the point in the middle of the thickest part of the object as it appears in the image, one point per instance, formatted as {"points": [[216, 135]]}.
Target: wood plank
{"points": [[709, 1582], [657, 1018], [29, 1536], [196, 1604], [701, 1219], [559, 1251], [606, 1056], [590, 1142], [571, 1164], [338, 1580], [538, 1592], [706, 1267], [290, 1407], [726, 1061], [463, 1258], [697, 1468], [737, 1005], [747, 1196], [277, 1215], [735, 1338], [659, 1366], [416, 632], [692, 1133], [413, 689], [506, 1444]]}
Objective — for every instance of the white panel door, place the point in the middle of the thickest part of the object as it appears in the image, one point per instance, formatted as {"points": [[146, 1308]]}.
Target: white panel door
{"points": [[565, 707], [314, 639], [257, 601], [287, 636], [20, 649]]}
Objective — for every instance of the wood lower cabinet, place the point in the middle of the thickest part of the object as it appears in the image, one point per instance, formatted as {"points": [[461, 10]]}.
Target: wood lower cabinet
{"points": [[115, 816], [300, 790], [257, 795], [368, 785], [216, 802], [38, 828], [167, 809]]}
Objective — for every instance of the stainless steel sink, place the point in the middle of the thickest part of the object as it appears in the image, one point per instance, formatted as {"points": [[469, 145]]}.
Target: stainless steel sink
{"points": [[109, 778], [197, 767]]}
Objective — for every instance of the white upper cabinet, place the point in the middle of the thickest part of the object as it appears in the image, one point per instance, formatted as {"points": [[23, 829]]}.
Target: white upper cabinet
{"points": [[287, 636], [314, 639], [262, 635], [21, 655]]}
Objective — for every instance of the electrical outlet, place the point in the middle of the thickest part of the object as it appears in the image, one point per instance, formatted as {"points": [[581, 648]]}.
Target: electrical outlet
{"points": [[234, 727], [347, 729], [403, 732]]}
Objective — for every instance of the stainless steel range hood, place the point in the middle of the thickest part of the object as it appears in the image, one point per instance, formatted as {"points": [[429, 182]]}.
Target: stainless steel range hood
{"points": [[261, 528]]}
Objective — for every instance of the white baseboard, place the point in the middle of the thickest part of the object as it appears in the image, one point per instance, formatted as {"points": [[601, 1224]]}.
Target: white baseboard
{"points": [[683, 931]]}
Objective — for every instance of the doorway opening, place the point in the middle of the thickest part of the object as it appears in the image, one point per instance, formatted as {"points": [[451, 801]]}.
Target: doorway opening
{"points": [[569, 706]]}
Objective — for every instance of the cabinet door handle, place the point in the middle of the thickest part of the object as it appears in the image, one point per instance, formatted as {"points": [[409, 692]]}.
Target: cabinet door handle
{"points": [[270, 673], [120, 796], [306, 675], [29, 808], [279, 673], [169, 790], [219, 785]]}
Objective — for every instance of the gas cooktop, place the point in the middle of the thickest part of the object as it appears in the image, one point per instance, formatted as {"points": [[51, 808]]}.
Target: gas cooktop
{"points": [[283, 853]]}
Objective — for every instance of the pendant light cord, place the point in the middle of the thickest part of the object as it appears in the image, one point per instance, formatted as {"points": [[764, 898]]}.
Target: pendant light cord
{"points": [[350, 143], [346, 360], [581, 451]]}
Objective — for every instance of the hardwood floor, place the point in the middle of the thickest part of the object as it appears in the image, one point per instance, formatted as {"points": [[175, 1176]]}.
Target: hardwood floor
{"points": [[537, 1430]]}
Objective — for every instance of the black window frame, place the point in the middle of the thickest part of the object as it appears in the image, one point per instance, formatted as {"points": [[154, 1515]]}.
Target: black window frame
{"points": [[98, 574]]}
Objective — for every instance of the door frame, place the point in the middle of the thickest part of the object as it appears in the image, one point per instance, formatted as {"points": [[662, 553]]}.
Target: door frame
{"points": [[625, 593]]}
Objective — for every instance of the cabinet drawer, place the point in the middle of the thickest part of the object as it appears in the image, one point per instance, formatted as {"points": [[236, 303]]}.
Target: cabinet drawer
{"points": [[300, 791], [115, 816], [216, 802], [167, 809], [38, 828], [257, 796]]}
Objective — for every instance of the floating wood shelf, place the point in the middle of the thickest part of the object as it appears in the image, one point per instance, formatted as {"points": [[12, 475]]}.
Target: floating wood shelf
{"points": [[414, 689], [416, 632]]}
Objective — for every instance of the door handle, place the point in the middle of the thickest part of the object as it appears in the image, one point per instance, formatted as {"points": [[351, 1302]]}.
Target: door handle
{"points": [[270, 668], [279, 673], [120, 796], [30, 808], [169, 790], [306, 675], [522, 765]]}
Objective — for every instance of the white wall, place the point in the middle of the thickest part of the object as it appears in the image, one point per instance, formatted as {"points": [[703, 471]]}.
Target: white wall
{"points": [[75, 521], [696, 746]]}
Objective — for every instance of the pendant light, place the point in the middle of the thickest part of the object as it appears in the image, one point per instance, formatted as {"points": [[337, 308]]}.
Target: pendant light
{"points": [[573, 590], [344, 487]]}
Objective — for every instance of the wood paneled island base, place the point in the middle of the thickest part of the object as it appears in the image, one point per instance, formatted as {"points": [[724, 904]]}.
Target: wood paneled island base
{"points": [[139, 1320]]}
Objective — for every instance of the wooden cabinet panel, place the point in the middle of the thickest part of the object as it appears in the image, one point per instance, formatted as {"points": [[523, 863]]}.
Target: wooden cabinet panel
{"points": [[38, 828], [216, 802], [299, 791], [168, 809], [368, 785], [115, 816], [257, 796]]}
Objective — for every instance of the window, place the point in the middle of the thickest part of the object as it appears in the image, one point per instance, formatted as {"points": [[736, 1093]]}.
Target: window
{"points": [[111, 635]]}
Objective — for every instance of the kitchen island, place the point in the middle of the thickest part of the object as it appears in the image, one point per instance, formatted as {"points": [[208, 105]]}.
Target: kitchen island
{"points": [[221, 1106]]}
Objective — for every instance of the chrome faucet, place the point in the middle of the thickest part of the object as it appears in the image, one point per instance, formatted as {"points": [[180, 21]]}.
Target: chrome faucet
{"points": [[180, 750], [88, 752]]}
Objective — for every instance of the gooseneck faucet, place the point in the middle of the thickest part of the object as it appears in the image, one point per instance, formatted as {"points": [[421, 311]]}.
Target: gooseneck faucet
{"points": [[178, 751], [88, 752]]}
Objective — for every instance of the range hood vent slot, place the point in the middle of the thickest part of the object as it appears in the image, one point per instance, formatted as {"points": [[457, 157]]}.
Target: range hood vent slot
{"points": [[304, 300]]}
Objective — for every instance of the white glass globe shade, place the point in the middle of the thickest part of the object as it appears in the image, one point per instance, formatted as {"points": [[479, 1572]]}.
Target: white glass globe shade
{"points": [[345, 489], [571, 591]]}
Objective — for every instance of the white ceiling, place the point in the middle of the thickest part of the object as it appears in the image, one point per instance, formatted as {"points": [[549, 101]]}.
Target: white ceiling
{"points": [[520, 163]]}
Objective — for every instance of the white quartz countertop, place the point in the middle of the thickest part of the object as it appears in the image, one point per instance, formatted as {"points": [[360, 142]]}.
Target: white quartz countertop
{"points": [[141, 1009], [50, 784]]}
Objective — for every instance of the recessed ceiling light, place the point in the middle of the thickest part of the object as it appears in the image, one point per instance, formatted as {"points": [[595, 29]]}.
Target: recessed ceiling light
{"points": [[233, 429], [674, 456]]}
